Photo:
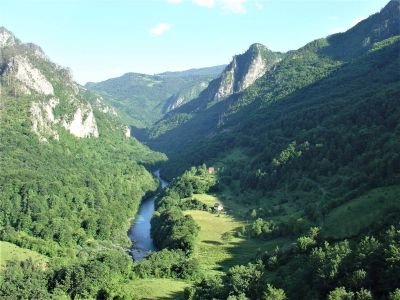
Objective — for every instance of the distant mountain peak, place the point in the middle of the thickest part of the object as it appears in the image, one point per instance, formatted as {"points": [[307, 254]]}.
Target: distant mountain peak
{"points": [[391, 2], [144, 98], [392, 8], [194, 71], [243, 70], [257, 47], [7, 38], [361, 37]]}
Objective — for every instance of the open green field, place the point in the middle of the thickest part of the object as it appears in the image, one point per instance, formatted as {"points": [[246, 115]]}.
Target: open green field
{"points": [[352, 217], [157, 288], [215, 254], [11, 252], [206, 199]]}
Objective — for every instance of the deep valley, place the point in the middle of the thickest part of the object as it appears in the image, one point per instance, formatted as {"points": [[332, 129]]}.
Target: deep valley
{"points": [[283, 173]]}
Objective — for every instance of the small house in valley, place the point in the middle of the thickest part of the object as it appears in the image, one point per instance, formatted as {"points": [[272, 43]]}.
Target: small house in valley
{"points": [[218, 207]]}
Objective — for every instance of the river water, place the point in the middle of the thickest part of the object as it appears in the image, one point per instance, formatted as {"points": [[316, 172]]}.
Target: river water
{"points": [[140, 230]]}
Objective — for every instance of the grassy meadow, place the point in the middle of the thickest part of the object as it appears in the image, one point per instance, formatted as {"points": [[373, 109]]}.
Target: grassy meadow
{"points": [[217, 254], [157, 288], [209, 200], [11, 252]]}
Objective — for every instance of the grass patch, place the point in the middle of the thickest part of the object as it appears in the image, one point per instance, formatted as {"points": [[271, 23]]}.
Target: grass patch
{"points": [[216, 255], [157, 288], [358, 214], [11, 252], [206, 199]]}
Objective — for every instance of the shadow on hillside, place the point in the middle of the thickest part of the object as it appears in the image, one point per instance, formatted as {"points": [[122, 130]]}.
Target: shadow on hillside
{"points": [[241, 253], [139, 133], [247, 249], [213, 242], [175, 296]]}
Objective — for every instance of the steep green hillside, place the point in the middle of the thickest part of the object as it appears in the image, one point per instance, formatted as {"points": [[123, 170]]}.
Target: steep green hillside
{"points": [[314, 149], [241, 73], [309, 152], [71, 179], [187, 134], [143, 99], [70, 175]]}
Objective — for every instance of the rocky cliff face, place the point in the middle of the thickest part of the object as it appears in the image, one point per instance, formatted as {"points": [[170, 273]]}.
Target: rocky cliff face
{"points": [[184, 96], [43, 118], [56, 101], [243, 71], [6, 38], [28, 77], [127, 132], [83, 124]]}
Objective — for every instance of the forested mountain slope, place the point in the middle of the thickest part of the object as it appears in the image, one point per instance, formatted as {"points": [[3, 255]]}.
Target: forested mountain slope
{"points": [[71, 175], [187, 142], [241, 73], [144, 99], [312, 140], [309, 154]]}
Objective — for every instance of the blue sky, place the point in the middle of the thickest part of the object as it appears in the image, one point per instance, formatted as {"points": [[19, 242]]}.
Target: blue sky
{"points": [[100, 39]]}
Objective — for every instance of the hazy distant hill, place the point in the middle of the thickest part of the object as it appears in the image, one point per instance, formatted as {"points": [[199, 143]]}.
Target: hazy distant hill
{"points": [[144, 99]]}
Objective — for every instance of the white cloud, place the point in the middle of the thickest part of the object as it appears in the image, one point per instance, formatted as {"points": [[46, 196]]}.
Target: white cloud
{"points": [[234, 6], [174, 1], [205, 3], [160, 28], [231, 6], [259, 5]]}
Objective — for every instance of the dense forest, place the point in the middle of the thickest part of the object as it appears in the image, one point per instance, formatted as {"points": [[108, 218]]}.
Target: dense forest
{"points": [[65, 197], [62, 194], [192, 127], [313, 269]]}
